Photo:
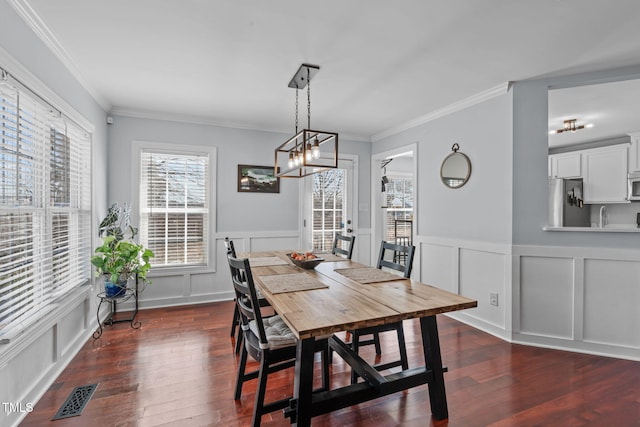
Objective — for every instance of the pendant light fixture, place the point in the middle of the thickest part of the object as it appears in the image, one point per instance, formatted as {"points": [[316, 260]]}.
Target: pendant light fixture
{"points": [[308, 151], [571, 125]]}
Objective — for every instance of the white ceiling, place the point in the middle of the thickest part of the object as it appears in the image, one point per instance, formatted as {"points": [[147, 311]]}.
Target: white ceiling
{"points": [[612, 108], [383, 63]]}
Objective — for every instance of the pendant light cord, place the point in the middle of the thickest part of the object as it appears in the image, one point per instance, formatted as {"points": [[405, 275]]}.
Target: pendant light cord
{"points": [[297, 110], [308, 101]]}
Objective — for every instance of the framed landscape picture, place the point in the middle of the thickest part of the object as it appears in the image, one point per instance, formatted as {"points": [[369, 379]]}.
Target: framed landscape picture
{"points": [[257, 179]]}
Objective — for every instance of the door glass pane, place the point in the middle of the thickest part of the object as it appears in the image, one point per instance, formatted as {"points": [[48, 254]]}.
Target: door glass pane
{"points": [[328, 195]]}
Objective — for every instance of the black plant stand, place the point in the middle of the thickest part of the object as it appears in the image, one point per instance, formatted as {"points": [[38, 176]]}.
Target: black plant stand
{"points": [[114, 301]]}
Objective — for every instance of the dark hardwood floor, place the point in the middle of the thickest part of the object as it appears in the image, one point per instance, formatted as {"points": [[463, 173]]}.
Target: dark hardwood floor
{"points": [[179, 369]]}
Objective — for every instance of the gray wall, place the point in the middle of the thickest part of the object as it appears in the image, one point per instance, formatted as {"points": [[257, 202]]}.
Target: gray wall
{"points": [[481, 209], [254, 221], [236, 212], [32, 361], [530, 150]]}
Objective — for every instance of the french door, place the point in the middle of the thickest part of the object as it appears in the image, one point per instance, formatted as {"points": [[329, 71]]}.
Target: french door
{"points": [[328, 198]]}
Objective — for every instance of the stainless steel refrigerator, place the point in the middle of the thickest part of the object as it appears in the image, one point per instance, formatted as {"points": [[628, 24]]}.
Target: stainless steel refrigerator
{"points": [[566, 207]]}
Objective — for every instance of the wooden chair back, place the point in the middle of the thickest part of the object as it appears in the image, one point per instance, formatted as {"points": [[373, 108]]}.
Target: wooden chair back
{"points": [[338, 248], [407, 252], [231, 250], [246, 296]]}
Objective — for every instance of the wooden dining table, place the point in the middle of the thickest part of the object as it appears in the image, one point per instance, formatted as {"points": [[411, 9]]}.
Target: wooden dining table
{"points": [[342, 295]]}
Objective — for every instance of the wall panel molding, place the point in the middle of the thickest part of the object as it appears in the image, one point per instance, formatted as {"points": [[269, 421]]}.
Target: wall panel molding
{"points": [[474, 269], [578, 299]]}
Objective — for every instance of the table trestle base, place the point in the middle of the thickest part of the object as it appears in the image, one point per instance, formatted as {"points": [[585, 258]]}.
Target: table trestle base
{"points": [[375, 384]]}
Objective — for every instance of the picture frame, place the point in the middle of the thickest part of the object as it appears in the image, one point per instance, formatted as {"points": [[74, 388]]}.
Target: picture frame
{"points": [[257, 179]]}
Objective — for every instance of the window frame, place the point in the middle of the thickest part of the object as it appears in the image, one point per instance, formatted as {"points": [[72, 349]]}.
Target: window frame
{"points": [[67, 247], [137, 147]]}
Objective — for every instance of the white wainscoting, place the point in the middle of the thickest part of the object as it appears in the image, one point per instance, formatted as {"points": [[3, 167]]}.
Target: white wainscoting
{"points": [[568, 298], [579, 299], [475, 270], [31, 361]]}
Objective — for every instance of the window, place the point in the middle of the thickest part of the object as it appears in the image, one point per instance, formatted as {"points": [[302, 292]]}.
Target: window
{"points": [[175, 205], [45, 207], [399, 193]]}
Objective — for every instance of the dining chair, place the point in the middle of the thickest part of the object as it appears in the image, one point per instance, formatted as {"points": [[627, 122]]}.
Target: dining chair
{"points": [[357, 340], [231, 251], [235, 322], [267, 339], [338, 245]]}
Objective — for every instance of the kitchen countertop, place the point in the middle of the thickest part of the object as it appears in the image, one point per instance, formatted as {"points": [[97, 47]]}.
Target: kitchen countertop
{"points": [[610, 228]]}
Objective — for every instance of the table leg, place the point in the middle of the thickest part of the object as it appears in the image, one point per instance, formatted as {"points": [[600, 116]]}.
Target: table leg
{"points": [[433, 361], [303, 382]]}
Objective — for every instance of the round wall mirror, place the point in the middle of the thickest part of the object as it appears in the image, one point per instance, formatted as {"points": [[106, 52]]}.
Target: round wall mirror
{"points": [[456, 169]]}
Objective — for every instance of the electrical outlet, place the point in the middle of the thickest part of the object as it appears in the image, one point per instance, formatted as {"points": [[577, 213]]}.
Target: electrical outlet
{"points": [[493, 299]]}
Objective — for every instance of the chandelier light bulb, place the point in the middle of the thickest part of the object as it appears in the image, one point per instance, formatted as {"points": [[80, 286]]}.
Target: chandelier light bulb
{"points": [[316, 149], [308, 152]]}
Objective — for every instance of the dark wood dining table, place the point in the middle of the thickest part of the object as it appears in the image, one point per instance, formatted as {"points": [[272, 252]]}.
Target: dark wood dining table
{"points": [[341, 295]]}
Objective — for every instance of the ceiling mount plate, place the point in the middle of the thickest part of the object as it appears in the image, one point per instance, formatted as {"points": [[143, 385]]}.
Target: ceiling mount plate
{"points": [[303, 76]]}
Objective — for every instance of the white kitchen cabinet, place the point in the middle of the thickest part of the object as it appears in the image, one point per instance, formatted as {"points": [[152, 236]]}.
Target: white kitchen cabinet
{"points": [[605, 174], [565, 165], [634, 152]]}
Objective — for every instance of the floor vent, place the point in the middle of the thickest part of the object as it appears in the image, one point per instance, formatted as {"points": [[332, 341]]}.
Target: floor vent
{"points": [[75, 403]]}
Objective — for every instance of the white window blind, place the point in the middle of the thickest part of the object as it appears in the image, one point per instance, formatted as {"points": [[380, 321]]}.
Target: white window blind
{"points": [[45, 207], [174, 207]]}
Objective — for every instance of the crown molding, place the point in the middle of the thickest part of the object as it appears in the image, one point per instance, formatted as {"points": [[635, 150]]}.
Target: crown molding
{"points": [[445, 111], [183, 118], [208, 121], [37, 25]]}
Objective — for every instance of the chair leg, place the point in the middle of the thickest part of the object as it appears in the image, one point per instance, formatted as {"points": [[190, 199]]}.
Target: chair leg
{"points": [[260, 391], [325, 358], [239, 340], [241, 368], [403, 348], [376, 342], [236, 320], [355, 339]]}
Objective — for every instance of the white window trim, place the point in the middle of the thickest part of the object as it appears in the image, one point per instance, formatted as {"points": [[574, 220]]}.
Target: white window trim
{"points": [[136, 148], [36, 85]]}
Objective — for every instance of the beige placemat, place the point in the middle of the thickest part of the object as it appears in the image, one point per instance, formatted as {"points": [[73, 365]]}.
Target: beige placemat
{"points": [[272, 270], [368, 274], [266, 260], [281, 283]]}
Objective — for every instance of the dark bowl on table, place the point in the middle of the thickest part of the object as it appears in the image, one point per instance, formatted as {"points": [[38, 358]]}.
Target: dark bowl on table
{"points": [[307, 264]]}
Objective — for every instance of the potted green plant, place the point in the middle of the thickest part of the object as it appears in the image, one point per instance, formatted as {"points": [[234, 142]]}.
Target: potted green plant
{"points": [[119, 258]]}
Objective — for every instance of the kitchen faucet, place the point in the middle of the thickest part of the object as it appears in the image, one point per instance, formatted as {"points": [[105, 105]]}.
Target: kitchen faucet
{"points": [[603, 216]]}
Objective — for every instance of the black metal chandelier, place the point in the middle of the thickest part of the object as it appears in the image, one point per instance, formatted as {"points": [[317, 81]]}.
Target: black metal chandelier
{"points": [[308, 151]]}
